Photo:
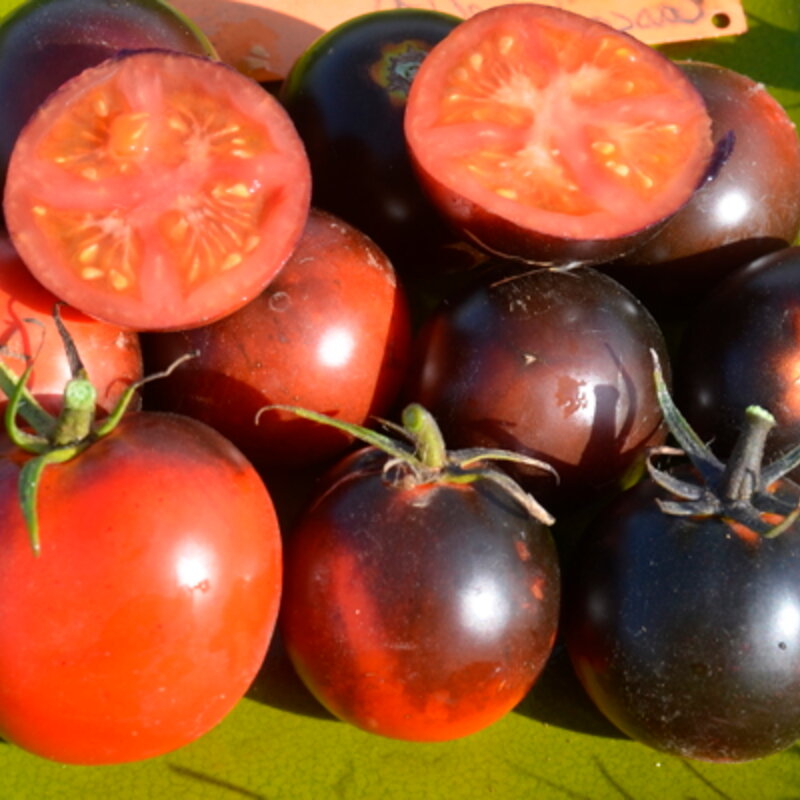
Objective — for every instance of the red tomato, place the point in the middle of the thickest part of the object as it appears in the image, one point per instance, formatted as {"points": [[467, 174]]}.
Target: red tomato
{"points": [[331, 333], [111, 355], [550, 136], [422, 611], [157, 190], [149, 611]]}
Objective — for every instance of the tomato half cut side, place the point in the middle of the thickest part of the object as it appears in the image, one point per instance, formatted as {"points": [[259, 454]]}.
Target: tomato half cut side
{"points": [[157, 190], [552, 137]]}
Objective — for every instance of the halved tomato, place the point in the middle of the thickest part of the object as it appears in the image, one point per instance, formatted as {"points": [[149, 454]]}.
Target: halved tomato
{"points": [[548, 136], [157, 190]]}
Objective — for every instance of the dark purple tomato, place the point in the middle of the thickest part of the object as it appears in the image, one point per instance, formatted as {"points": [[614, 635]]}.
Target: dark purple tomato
{"points": [[548, 136], [45, 42], [347, 96], [742, 348], [551, 363], [685, 632], [750, 208], [330, 333], [421, 612]]}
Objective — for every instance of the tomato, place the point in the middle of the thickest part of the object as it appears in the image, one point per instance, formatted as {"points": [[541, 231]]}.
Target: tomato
{"points": [[742, 347], [683, 610], [750, 208], [157, 190], [149, 610], [330, 333], [552, 363], [546, 135], [112, 356], [50, 41], [417, 607], [347, 96]]}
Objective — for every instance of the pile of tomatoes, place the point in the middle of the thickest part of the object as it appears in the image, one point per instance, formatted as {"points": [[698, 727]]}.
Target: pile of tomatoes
{"points": [[398, 315]]}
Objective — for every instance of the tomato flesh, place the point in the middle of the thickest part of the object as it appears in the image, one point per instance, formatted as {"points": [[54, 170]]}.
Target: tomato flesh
{"points": [[555, 124], [157, 191]]}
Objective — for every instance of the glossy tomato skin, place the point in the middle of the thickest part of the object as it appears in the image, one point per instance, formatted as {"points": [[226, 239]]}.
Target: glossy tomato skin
{"points": [[750, 208], [150, 609], [550, 363], [421, 613], [545, 135], [50, 41], [157, 190], [112, 356], [684, 631], [331, 333], [347, 96], [741, 348]]}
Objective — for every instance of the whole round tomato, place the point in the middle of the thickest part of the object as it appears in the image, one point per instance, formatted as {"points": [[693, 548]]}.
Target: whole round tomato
{"points": [[549, 136], [157, 190], [330, 333], [151, 606], [418, 610], [552, 363], [685, 631], [111, 356]]}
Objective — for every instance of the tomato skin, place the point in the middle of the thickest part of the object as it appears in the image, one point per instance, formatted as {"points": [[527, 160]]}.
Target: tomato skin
{"points": [[749, 209], [112, 356], [331, 333], [684, 633], [157, 190], [510, 364], [422, 614], [347, 96], [741, 348], [547, 136], [150, 609]]}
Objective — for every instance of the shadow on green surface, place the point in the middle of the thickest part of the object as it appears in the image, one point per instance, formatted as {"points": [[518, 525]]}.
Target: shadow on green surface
{"points": [[231, 789], [558, 699], [278, 685]]}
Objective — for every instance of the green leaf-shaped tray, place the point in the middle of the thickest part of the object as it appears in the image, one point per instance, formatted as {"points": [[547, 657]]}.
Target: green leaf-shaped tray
{"points": [[278, 744]]}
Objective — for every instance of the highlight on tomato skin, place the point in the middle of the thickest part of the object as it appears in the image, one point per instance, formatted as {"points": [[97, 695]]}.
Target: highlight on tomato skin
{"points": [[546, 136], [157, 190], [28, 335], [331, 333], [422, 613]]}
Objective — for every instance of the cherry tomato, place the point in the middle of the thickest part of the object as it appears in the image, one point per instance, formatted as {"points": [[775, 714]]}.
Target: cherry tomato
{"points": [[546, 135], [347, 96], [330, 333], [112, 356], [552, 363], [750, 208], [50, 41], [149, 610], [422, 612], [742, 347], [157, 190]]}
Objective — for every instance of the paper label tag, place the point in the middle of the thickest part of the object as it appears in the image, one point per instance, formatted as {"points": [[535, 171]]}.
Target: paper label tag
{"points": [[263, 38]]}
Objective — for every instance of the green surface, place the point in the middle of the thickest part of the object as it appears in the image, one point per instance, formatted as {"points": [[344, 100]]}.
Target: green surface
{"points": [[279, 744]]}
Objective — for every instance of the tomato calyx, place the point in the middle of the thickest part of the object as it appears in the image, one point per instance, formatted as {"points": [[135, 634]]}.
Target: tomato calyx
{"points": [[418, 455], [57, 439], [742, 490]]}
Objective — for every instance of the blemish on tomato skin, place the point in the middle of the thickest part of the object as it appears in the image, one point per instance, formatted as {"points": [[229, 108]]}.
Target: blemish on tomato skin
{"points": [[522, 550], [570, 395], [537, 588]]}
